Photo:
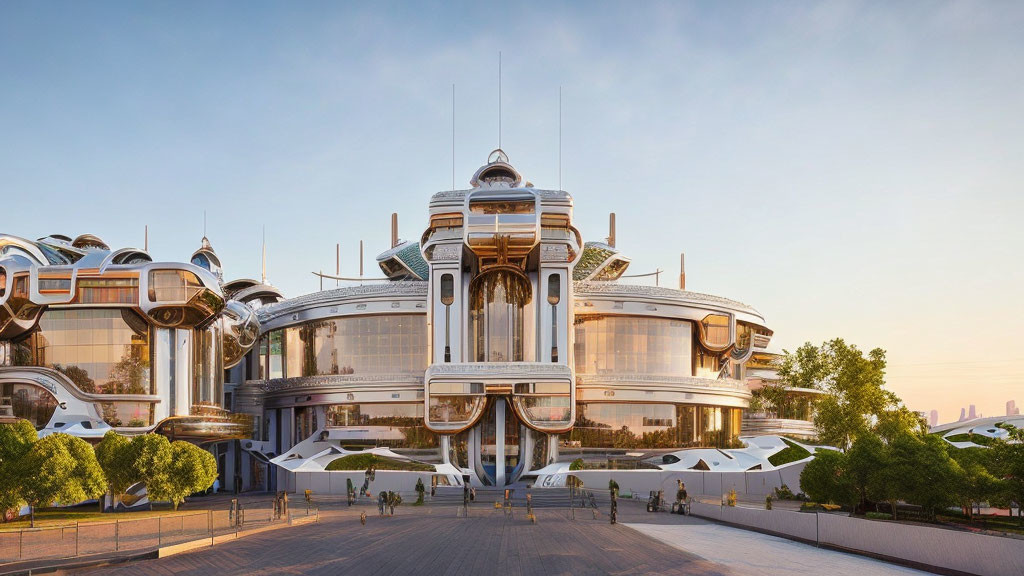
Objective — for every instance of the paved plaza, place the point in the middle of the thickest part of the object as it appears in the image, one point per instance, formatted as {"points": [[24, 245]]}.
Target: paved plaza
{"points": [[432, 540]]}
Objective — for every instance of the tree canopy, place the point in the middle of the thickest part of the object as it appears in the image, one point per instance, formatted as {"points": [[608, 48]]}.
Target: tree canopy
{"points": [[16, 439], [59, 469], [855, 400], [191, 470]]}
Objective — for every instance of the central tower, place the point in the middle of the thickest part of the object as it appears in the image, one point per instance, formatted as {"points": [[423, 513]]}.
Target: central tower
{"points": [[500, 385]]}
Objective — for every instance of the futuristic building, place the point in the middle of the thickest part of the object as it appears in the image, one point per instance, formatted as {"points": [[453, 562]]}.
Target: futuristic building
{"points": [[94, 339], [499, 343]]}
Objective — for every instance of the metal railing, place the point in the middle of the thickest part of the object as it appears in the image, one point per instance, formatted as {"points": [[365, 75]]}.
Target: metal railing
{"points": [[139, 534]]}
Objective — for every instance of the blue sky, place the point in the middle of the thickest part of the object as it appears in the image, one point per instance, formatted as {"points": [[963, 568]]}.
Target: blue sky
{"points": [[850, 169]]}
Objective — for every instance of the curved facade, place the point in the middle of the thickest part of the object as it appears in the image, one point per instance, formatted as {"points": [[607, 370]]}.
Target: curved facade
{"points": [[497, 344], [93, 339], [501, 343]]}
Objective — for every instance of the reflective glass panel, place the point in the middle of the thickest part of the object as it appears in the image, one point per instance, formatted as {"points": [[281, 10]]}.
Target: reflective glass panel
{"points": [[29, 402], [632, 345], [103, 351], [618, 425], [394, 425], [378, 344]]}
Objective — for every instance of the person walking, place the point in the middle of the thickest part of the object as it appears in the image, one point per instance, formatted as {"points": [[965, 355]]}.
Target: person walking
{"points": [[380, 502]]}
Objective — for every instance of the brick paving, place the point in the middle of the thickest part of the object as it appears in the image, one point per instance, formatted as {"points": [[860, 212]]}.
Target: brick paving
{"points": [[432, 540]]}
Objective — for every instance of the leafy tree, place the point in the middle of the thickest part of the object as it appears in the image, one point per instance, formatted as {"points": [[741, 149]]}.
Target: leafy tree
{"points": [[16, 440], [864, 462], [855, 400], [825, 480], [116, 458], [920, 471], [59, 468], [1008, 464], [151, 458], [191, 470], [974, 483]]}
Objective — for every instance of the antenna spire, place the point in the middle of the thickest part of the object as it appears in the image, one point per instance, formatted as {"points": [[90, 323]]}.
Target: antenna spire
{"points": [[499, 99], [559, 137], [263, 263], [453, 137]]}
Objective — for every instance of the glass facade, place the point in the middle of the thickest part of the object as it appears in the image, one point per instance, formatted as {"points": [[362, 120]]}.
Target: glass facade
{"points": [[633, 345], [496, 315], [208, 367], [372, 344], [130, 414], [403, 421], [622, 425], [103, 351], [29, 402]]}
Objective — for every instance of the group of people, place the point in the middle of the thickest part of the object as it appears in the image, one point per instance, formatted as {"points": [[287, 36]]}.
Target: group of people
{"points": [[387, 500]]}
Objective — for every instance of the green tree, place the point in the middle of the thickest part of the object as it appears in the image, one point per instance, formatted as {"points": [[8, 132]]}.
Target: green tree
{"points": [[864, 462], [1008, 464], [974, 482], [151, 456], [191, 470], [116, 457], [59, 469], [855, 398], [16, 439], [920, 471], [825, 479]]}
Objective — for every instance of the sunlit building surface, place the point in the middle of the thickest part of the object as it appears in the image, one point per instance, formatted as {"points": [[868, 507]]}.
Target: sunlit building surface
{"points": [[497, 343]]}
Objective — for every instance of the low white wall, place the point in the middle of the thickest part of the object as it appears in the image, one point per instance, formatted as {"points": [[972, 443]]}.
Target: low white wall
{"points": [[333, 483], [948, 549], [953, 549]]}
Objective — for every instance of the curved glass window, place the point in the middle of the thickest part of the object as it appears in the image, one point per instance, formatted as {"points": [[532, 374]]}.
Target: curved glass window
{"points": [[373, 344], [127, 414], [633, 345], [497, 298], [103, 351], [716, 330], [618, 425], [30, 402], [393, 424]]}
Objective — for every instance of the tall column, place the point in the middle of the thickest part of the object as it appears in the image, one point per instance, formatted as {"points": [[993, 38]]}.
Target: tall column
{"points": [[499, 443]]}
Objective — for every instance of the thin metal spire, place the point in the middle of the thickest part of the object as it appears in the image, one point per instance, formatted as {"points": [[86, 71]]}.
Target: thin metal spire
{"points": [[499, 98], [559, 137], [146, 239], [453, 137], [263, 263]]}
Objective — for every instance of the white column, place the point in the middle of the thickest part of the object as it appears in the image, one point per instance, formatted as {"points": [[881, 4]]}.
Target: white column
{"points": [[499, 443]]}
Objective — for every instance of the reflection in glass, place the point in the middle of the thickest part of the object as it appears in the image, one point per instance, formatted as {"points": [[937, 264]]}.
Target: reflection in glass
{"points": [[103, 351], [617, 425], [716, 330], [402, 424], [497, 298], [632, 345], [454, 409], [373, 344], [173, 285], [128, 414], [32, 403], [208, 367]]}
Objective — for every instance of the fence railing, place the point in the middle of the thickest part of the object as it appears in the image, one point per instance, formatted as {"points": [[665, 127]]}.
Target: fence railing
{"points": [[139, 534]]}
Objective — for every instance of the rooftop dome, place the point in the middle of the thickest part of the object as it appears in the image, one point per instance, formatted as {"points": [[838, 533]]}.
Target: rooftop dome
{"points": [[497, 172]]}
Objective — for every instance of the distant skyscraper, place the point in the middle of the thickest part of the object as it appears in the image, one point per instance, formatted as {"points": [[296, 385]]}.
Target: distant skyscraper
{"points": [[963, 415], [933, 418], [972, 413], [1011, 408]]}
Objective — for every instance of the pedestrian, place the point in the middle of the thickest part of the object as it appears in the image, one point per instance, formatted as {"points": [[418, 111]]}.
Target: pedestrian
{"points": [[380, 502], [392, 501], [472, 494]]}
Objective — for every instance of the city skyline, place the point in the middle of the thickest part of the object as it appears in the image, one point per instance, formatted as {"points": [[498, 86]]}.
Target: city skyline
{"points": [[870, 145]]}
